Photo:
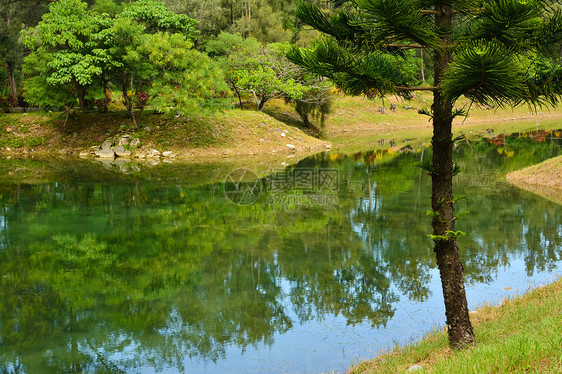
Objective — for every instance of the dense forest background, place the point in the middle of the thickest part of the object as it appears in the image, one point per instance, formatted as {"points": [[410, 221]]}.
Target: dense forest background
{"points": [[237, 46]]}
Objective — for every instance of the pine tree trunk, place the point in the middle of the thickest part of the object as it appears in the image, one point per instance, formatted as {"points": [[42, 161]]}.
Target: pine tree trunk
{"points": [[450, 268]]}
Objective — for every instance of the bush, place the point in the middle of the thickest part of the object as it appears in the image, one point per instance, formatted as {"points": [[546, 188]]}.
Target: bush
{"points": [[6, 103]]}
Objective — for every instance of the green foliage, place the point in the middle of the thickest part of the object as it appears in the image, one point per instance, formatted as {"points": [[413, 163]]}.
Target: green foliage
{"points": [[66, 61], [449, 235], [79, 53], [432, 214], [183, 78], [370, 73], [484, 71], [156, 17], [496, 48], [260, 70]]}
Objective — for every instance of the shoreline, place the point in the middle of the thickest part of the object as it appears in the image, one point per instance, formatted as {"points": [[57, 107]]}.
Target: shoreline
{"points": [[353, 125], [544, 179], [499, 340]]}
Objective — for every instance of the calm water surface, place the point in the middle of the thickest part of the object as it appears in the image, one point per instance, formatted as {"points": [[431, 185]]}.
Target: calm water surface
{"points": [[157, 270]]}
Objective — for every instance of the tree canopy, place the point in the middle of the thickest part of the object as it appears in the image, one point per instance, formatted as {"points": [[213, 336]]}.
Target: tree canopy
{"points": [[79, 53]]}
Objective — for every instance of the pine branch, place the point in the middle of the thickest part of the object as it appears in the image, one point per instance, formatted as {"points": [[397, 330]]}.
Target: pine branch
{"points": [[417, 88]]}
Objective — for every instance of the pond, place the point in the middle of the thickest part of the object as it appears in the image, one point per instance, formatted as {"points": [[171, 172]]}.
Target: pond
{"points": [[201, 269]]}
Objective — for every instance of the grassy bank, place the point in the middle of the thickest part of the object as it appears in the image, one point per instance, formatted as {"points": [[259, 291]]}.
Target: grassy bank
{"points": [[544, 179], [523, 335], [354, 124], [226, 134]]}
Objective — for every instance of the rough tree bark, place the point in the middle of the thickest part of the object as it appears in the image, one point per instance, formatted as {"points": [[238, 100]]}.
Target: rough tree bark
{"points": [[456, 309]]}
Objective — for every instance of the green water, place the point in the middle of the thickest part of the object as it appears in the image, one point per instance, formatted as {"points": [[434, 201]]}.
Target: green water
{"points": [[142, 269]]}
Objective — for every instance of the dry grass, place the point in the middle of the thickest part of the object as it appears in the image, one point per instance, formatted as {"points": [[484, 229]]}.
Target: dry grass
{"points": [[544, 179]]}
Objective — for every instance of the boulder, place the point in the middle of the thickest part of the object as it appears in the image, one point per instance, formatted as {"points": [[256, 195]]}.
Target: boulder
{"points": [[120, 151], [153, 153], [105, 153], [106, 145], [124, 140], [135, 143]]}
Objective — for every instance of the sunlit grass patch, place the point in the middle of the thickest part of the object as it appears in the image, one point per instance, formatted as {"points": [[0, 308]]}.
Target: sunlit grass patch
{"points": [[523, 335]]}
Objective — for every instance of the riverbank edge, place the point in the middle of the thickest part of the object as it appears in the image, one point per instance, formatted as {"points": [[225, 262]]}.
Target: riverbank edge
{"points": [[544, 179], [354, 125], [522, 333]]}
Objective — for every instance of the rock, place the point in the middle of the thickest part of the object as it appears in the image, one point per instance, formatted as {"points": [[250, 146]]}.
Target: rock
{"points": [[84, 154], [105, 153], [283, 134], [328, 146], [124, 140], [291, 146], [8, 149], [135, 143], [415, 368], [147, 128], [168, 154], [9, 129], [263, 124], [262, 140], [120, 151], [106, 145], [153, 153]]}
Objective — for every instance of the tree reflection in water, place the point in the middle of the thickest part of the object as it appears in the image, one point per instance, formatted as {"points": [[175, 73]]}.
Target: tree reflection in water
{"points": [[133, 272]]}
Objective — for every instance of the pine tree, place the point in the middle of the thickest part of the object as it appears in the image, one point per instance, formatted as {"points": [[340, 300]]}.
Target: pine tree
{"points": [[483, 49]]}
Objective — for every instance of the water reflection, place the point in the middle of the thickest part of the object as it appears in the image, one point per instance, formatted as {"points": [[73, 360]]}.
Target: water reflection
{"points": [[164, 274]]}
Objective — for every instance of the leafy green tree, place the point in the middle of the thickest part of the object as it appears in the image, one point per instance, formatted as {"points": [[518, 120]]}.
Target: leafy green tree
{"points": [[184, 79], [262, 71], [66, 61], [484, 50], [142, 48]]}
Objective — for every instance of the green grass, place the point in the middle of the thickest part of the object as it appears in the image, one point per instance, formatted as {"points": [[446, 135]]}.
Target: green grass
{"points": [[523, 335]]}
